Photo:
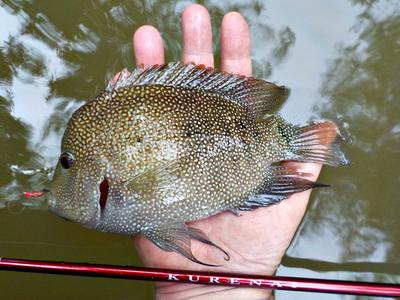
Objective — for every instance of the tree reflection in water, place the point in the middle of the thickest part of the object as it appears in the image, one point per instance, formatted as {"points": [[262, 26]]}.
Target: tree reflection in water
{"points": [[362, 92], [54, 55]]}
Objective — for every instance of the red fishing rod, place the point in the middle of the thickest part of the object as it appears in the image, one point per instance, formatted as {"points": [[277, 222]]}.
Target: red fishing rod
{"points": [[195, 277], [180, 276]]}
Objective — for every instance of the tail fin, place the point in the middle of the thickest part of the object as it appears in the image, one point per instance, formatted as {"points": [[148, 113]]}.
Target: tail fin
{"points": [[318, 142]]}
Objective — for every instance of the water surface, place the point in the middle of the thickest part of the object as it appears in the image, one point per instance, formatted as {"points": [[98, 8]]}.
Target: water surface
{"points": [[340, 59]]}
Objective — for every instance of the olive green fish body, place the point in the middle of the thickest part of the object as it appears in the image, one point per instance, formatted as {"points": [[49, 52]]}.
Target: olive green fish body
{"points": [[213, 144], [178, 143]]}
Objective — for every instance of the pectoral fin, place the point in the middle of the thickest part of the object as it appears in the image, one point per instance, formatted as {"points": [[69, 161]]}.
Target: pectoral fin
{"points": [[177, 238], [158, 181]]}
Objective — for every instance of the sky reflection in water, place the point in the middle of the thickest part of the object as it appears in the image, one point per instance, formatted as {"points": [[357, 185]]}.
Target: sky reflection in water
{"points": [[340, 59]]}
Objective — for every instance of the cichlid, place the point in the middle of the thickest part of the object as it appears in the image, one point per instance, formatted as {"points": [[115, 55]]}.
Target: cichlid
{"points": [[176, 143]]}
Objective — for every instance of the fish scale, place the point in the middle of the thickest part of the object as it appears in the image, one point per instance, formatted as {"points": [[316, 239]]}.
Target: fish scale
{"points": [[176, 143]]}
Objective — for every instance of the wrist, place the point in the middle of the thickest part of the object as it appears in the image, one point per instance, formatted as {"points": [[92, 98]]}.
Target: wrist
{"points": [[174, 291]]}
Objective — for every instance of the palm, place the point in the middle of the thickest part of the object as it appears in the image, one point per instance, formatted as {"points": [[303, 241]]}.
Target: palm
{"points": [[257, 240]]}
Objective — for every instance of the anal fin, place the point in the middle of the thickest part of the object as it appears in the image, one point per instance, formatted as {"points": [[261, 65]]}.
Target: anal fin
{"points": [[282, 183]]}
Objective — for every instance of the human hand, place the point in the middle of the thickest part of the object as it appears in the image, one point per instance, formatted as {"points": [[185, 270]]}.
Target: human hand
{"points": [[255, 241]]}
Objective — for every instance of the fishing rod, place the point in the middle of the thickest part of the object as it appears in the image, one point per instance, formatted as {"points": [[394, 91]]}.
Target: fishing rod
{"points": [[184, 276]]}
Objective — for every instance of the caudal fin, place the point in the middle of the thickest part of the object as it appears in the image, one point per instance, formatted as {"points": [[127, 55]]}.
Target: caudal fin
{"points": [[318, 142]]}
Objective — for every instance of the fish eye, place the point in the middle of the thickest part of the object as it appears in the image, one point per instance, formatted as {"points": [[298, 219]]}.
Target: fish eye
{"points": [[66, 160]]}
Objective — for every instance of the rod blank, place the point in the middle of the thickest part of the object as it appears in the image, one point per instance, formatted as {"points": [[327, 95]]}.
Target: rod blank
{"points": [[149, 274]]}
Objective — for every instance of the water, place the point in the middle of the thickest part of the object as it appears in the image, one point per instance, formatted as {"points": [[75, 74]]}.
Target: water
{"points": [[341, 60]]}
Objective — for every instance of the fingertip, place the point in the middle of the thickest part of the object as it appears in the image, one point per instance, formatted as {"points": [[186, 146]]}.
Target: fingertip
{"points": [[148, 46], [235, 44], [234, 17], [195, 8], [197, 36], [235, 35]]}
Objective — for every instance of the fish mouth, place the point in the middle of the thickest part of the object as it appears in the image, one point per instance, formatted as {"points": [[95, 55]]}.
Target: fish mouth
{"points": [[104, 188]]}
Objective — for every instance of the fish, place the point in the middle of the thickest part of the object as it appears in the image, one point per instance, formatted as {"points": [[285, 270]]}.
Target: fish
{"points": [[174, 143]]}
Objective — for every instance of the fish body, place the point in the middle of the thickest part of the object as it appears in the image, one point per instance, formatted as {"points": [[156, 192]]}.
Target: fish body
{"points": [[177, 143]]}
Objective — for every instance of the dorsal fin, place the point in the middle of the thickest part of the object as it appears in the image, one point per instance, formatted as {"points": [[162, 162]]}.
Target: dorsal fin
{"points": [[259, 97]]}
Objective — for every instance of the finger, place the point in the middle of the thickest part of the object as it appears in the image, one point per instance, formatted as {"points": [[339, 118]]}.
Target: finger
{"points": [[148, 47], [197, 36], [235, 45]]}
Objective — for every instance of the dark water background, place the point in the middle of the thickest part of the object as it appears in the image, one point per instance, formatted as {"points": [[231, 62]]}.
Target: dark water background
{"points": [[341, 60]]}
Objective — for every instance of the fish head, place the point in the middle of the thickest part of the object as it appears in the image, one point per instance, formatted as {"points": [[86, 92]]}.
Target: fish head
{"points": [[77, 189]]}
